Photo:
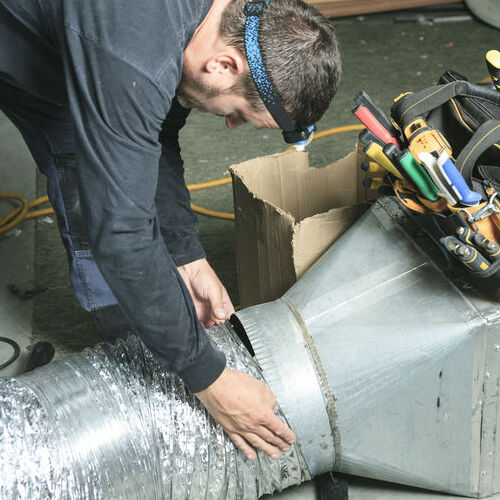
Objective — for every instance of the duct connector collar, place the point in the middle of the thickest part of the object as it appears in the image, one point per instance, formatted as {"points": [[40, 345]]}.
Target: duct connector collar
{"points": [[286, 355]]}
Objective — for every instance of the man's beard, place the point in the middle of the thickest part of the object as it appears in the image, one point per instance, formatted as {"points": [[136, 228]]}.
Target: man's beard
{"points": [[191, 91]]}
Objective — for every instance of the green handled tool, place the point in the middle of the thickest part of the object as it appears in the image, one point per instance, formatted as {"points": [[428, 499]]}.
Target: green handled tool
{"points": [[419, 176]]}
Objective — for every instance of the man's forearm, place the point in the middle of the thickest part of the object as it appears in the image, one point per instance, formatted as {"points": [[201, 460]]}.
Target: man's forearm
{"points": [[154, 297]]}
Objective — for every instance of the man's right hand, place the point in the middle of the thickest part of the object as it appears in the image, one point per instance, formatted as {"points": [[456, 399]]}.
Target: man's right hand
{"points": [[244, 407]]}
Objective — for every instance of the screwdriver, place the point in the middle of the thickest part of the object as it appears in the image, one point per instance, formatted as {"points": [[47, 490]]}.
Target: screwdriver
{"points": [[372, 167], [363, 99], [467, 254], [493, 64], [374, 182], [412, 171], [375, 152], [371, 123], [467, 235], [366, 136]]}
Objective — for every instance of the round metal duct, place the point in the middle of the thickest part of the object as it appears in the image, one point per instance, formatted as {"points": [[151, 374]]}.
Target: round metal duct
{"points": [[487, 10]]}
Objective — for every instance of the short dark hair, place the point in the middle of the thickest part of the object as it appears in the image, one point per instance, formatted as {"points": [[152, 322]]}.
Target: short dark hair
{"points": [[300, 51]]}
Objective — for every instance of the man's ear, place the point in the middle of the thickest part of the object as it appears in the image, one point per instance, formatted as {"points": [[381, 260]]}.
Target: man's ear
{"points": [[230, 64]]}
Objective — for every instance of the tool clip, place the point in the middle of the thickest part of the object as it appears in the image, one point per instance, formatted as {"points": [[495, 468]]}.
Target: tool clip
{"points": [[469, 218], [492, 207]]}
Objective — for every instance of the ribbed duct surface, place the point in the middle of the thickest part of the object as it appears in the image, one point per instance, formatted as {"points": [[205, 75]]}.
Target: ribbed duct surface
{"points": [[111, 423]]}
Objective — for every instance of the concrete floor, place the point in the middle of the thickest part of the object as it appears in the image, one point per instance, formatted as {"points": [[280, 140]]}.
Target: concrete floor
{"points": [[17, 248], [380, 56], [365, 489]]}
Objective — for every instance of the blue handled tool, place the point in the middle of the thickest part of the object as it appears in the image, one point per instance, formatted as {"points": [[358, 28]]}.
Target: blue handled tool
{"points": [[457, 183], [429, 161]]}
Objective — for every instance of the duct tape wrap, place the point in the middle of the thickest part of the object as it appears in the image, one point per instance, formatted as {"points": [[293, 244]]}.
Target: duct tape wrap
{"points": [[111, 423]]}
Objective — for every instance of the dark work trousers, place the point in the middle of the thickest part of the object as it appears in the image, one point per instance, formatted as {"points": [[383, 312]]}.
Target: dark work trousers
{"points": [[48, 133]]}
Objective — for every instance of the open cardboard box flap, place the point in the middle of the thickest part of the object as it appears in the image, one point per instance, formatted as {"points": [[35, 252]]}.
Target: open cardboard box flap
{"points": [[287, 215]]}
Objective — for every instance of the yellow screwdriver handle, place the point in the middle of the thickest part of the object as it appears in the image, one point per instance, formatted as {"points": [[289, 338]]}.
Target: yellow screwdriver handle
{"points": [[372, 167], [374, 151], [493, 63], [374, 182]]}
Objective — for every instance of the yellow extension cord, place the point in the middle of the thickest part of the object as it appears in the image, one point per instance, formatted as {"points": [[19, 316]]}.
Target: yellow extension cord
{"points": [[24, 210]]}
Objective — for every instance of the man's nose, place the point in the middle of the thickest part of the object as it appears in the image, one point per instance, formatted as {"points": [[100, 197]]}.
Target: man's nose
{"points": [[233, 121]]}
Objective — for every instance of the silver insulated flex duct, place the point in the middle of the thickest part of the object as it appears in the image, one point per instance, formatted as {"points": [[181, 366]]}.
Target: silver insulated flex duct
{"points": [[381, 365], [111, 424]]}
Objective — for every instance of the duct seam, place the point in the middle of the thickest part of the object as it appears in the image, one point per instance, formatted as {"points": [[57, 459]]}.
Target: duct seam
{"points": [[331, 409]]}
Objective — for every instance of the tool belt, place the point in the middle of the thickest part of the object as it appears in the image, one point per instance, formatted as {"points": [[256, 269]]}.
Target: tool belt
{"points": [[466, 117], [469, 117]]}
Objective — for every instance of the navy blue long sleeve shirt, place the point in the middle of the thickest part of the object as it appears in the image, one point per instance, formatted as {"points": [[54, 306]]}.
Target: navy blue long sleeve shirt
{"points": [[118, 63]]}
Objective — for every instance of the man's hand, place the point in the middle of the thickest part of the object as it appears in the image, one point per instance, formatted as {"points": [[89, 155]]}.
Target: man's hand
{"points": [[210, 298], [244, 407]]}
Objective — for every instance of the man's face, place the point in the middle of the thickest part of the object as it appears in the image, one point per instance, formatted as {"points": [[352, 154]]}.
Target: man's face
{"points": [[228, 104]]}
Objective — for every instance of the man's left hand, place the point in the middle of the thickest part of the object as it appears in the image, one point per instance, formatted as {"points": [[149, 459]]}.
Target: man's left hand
{"points": [[210, 298]]}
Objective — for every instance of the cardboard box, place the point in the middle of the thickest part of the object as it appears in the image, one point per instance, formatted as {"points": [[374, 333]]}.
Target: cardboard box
{"points": [[287, 215]]}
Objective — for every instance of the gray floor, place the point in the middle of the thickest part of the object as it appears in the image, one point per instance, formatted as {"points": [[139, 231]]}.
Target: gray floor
{"points": [[381, 56], [365, 489], [17, 248]]}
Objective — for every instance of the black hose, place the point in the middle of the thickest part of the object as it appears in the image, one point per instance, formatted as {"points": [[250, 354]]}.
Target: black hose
{"points": [[15, 355], [330, 487], [41, 354]]}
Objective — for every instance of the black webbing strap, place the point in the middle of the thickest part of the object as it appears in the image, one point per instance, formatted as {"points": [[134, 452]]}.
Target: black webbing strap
{"points": [[411, 106], [484, 137]]}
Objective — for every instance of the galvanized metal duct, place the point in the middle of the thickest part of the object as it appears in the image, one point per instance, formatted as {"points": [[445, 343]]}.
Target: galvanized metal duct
{"points": [[378, 362], [111, 424]]}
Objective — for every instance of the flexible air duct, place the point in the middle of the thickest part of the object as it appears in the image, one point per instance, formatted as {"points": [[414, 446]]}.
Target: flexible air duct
{"points": [[111, 424]]}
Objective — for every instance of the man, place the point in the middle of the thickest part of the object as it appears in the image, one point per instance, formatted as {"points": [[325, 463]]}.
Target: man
{"points": [[91, 86]]}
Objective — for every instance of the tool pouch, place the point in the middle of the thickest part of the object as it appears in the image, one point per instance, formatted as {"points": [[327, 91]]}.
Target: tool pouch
{"points": [[468, 115], [435, 226]]}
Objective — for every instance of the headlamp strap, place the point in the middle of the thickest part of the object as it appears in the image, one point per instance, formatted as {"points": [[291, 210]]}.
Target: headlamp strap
{"points": [[291, 132]]}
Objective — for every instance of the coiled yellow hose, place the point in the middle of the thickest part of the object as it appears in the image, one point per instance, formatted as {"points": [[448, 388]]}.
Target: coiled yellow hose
{"points": [[24, 210]]}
